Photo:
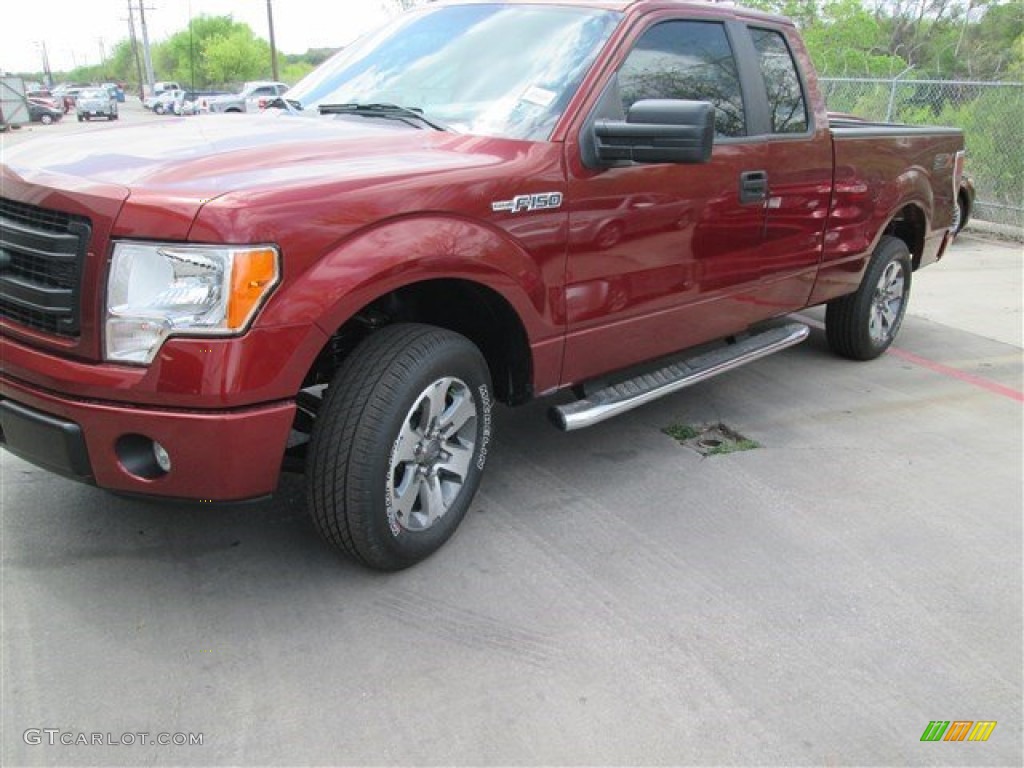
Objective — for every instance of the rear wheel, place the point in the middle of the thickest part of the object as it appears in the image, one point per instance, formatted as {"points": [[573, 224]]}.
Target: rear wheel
{"points": [[46, 119], [959, 215], [864, 324], [399, 445]]}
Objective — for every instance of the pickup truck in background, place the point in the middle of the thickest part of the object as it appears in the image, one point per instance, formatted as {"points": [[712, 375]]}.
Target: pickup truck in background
{"points": [[252, 98], [480, 203]]}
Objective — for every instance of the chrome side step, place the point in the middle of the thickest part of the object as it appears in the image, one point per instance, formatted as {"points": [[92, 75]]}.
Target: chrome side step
{"points": [[627, 395]]}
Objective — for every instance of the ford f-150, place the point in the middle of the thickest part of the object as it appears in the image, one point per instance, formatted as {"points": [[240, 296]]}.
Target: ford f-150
{"points": [[481, 202]]}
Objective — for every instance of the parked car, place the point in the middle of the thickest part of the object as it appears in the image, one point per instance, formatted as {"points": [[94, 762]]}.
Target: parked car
{"points": [[160, 88], [45, 97], [67, 95], [348, 288], [164, 104], [95, 102], [115, 90], [44, 112], [252, 98]]}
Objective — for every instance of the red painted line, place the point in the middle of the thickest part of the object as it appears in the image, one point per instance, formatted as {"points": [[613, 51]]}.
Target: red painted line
{"points": [[954, 373], [945, 370]]}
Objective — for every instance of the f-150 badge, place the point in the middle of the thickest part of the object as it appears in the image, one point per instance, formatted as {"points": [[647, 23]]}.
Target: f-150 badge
{"points": [[539, 202]]}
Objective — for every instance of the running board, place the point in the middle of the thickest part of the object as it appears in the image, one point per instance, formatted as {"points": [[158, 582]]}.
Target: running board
{"points": [[627, 395]]}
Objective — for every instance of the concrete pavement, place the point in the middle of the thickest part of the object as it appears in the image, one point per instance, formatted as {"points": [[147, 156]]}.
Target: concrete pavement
{"points": [[612, 598]]}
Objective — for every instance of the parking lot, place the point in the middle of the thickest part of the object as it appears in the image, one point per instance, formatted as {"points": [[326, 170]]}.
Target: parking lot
{"points": [[613, 597]]}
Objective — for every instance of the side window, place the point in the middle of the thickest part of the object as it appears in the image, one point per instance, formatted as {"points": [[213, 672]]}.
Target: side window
{"points": [[264, 90], [686, 60], [786, 103]]}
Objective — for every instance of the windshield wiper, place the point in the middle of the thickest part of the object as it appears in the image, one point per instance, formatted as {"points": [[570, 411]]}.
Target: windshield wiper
{"points": [[405, 114]]}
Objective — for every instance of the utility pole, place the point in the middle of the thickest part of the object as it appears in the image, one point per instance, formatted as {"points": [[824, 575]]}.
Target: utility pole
{"points": [[273, 46], [135, 48], [150, 79], [103, 52], [46, 63]]}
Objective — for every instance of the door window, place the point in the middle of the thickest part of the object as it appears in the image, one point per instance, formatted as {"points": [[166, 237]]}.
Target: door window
{"points": [[689, 60], [786, 105]]}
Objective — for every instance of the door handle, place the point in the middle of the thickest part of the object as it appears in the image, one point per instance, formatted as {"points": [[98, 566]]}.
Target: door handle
{"points": [[753, 187]]}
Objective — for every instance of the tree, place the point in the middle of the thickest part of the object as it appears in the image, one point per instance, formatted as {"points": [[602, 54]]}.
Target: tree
{"points": [[236, 56]]}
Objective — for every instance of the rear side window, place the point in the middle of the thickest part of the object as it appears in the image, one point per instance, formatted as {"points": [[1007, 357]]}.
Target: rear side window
{"points": [[786, 105], [689, 60]]}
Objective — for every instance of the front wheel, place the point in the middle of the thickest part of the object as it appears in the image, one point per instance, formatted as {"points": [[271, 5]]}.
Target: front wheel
{"points": [[399, 445], [864, 324], [46, 119]]}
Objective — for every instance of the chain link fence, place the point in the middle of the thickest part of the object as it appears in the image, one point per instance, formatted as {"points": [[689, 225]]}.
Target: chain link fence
{"points": [[990, 114]]}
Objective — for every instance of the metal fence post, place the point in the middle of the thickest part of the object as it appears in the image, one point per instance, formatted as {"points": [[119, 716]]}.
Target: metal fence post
{"points": [[892, 93]]}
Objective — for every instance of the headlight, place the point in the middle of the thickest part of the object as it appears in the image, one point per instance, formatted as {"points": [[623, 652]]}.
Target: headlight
{"points": [[156, 290]]}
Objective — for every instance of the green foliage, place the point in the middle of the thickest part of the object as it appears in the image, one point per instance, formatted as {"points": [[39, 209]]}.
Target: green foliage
{"points": [[235, 56], [681, 432], [949, 39], [292, 72], [994, 131]]}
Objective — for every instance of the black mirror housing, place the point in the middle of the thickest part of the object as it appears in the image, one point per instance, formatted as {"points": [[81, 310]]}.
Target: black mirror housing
{"points": [[658, 131]]}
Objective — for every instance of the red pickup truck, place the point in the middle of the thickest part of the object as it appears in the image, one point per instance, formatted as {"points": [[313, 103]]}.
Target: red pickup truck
{"points": [[481, 202]]}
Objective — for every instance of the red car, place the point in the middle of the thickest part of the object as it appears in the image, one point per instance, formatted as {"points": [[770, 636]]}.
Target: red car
{"points": [[347, 285]]}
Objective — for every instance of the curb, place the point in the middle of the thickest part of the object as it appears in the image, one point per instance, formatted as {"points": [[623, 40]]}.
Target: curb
{"points": [[992, 228]]}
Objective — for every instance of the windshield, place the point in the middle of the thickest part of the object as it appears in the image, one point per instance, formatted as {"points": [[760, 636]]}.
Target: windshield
{"points": [[492, 69]]}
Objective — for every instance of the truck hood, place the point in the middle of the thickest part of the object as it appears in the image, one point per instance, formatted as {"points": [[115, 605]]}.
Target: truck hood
{"points": [[204, 157]]}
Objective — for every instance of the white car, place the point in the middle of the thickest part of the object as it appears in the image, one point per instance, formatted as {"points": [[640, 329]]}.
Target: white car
{"points": [[252, 98], [166, 101]]}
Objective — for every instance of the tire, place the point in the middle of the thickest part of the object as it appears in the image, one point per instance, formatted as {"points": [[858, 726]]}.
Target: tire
{"points": [[46, 119], [80, 118], [959, 215], [384, 483], [864, 324]]}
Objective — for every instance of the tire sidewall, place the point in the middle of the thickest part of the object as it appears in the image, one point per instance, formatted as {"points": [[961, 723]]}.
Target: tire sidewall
{"points": [[377, 536], [890, 250]]}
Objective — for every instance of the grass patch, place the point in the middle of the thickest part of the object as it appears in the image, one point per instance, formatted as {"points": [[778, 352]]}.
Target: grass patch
{"points": [[744, 444], [681, 432], [710, 439]]}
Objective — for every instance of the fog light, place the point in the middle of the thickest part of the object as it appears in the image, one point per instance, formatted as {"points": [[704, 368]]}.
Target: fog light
{"points": [[163, 459], [142, 456]]}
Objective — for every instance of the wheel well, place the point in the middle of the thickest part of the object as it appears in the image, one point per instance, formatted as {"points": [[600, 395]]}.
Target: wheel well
{"points": [[477, 312], [909, 226]]}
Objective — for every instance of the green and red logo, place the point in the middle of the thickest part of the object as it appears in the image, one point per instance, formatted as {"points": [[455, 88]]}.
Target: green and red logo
{"points": [[958, 730]]}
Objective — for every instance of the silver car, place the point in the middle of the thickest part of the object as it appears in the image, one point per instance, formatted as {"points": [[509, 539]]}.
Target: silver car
{"points": [[252, 97], [95, 102]]}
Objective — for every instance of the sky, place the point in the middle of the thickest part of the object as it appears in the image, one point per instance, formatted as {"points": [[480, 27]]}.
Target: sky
{"points": [[75, 30]]}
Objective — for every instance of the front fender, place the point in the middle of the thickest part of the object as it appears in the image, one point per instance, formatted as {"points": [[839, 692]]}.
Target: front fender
{"points": [[400, 252]]}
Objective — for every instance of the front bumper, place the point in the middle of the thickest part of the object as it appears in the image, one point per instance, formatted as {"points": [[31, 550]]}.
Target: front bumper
{"points": [[214, 456]]}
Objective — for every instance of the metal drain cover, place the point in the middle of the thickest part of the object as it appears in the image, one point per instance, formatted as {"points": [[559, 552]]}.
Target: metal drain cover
{"points": [[711, 439]]}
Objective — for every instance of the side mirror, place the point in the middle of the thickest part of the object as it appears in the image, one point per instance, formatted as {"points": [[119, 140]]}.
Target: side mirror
{"points": [[658, 131]]}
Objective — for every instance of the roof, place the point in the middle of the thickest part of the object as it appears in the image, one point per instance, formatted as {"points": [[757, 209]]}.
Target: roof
{"points": [[727, 7]]}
